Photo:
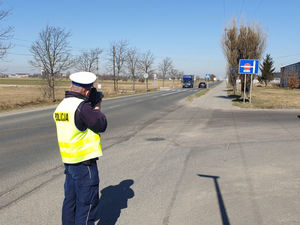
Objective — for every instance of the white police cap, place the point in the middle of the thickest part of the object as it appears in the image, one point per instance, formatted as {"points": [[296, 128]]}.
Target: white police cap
{"points": [[83, 79]]}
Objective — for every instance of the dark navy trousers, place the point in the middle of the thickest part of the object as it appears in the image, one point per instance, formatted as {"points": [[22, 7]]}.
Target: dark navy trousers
{"points": [[81, 194]]}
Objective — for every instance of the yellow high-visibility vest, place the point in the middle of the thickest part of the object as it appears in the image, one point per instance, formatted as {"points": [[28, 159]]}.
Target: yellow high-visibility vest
{"points": [[75, 145]]}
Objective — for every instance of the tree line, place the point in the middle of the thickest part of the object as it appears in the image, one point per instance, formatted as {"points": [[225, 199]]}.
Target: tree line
{"points": [[52, 52]]}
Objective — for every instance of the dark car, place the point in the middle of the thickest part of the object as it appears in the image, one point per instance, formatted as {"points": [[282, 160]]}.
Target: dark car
{"points": [[202, 85]]}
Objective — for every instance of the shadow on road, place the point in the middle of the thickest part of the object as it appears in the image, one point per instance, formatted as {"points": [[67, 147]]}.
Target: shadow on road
{"points": [[222, 207], [229, 96], [234, 98], [113, 199]]}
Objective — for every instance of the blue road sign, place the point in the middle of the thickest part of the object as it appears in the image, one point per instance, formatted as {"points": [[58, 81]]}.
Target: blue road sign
{"points": [[248, 66], [207, 75]]}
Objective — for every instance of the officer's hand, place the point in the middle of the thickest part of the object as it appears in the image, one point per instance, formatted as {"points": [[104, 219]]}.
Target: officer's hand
{"points": [[98, 105]]}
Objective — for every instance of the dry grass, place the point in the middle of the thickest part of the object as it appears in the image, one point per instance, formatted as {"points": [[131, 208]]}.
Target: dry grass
{"points": [[199, 94], [20, 93], [125, 87], [270, 98], [13, 97]]}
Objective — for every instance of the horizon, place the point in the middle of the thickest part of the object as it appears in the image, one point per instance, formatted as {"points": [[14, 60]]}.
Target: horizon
{"points": [[188, 32]]}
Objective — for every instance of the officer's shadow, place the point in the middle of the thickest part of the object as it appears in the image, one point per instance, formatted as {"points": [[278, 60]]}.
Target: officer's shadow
{"points": [[113, 199]]}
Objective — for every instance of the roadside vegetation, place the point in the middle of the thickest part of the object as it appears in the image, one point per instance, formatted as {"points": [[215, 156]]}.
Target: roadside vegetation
{"points": [[242, 41], [128, 70], [32, 92], [199, 94], [267, 70], [51, 53], [269, 97]]}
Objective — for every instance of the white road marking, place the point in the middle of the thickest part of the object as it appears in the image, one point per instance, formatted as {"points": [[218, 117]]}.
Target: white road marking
{"points": [[112, 107]]}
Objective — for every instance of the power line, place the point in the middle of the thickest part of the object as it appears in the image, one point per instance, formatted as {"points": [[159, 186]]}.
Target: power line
{"points": [[24, 54], [285, 56], [259, 3], [241, 9], [257, 7], [18, 39], [25, 46], [76, 48], [224, 9]]}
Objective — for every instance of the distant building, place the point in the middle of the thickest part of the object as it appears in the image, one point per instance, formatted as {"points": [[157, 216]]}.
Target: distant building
{"points": [[18, 75], [277, 75], [277, 78], [288, 71]]}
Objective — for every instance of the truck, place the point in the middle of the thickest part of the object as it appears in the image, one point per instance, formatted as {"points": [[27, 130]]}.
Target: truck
{"points": [[188, 81]]}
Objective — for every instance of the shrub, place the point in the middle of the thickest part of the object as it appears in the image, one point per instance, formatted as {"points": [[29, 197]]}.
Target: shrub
{"points": [[293, 82], [276, 85], [142, 80]]}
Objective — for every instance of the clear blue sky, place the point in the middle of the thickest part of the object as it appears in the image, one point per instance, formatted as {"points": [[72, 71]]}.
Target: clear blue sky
{"points": [[187, 31]]}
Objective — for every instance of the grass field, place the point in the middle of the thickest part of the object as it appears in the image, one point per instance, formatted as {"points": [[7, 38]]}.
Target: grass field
{"points": [[28, 92], [269, 98]]}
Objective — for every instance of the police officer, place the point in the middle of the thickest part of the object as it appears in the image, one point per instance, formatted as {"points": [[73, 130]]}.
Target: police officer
{"points": [[78, 126]]}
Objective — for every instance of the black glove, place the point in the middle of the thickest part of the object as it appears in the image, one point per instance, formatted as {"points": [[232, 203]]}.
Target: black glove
{"points": [[95, 97]]}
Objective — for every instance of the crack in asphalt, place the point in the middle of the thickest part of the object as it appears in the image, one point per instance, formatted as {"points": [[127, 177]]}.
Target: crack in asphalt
{"points": [[175, 192], [142, 126], [30, 185], [13, 195], [248, 180]]}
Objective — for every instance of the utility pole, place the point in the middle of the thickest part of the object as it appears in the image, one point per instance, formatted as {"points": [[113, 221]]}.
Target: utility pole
{"points": [[114, 68], [97, 65], [42, 72], [147, 79]]}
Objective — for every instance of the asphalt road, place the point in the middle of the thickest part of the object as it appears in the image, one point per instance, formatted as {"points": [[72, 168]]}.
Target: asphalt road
{"points": [[29, 152], [175, 163]]}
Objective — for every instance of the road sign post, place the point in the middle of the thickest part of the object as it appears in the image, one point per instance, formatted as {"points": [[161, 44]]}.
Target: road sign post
{"points": [[251, 87], [245, 82], [146, 77], [207, 76], [248, 66], [154, 80]]}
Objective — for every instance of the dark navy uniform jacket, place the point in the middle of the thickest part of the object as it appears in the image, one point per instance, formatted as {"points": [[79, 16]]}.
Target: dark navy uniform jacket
{"points": [[86, 116]]}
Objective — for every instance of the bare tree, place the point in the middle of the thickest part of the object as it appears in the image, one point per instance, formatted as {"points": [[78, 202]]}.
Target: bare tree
{"points": [[89, 61], [165, 67], [146, 62], [118, 54], [51, 52], [132, 64], [175, 74], [230, 49], [244, 42], [5, 34]]}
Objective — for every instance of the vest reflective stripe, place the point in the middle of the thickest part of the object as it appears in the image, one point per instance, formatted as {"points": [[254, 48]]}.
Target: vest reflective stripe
{"points": [[78, 153], [79, 143], [75, 145]]}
